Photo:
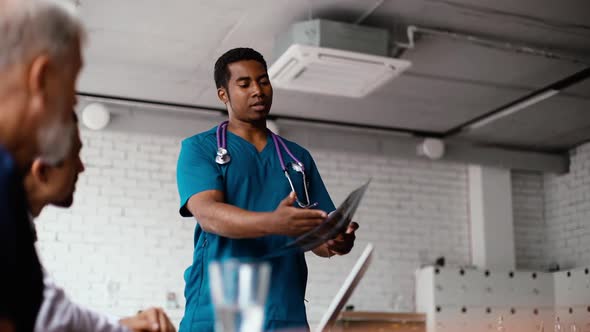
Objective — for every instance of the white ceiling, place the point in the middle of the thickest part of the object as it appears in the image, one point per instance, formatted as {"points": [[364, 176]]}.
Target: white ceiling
{"points": [[165, 50]]}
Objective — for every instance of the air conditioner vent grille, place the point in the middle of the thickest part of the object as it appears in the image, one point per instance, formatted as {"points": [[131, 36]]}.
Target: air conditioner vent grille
{"points": [[333, 72]]}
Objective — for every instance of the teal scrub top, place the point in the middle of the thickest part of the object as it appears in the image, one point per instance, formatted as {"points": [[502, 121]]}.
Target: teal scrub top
{"points": [[252, 181]]}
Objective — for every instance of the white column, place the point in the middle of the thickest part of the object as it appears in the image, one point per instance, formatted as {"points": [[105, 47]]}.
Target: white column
{"points": [[492, 227]]}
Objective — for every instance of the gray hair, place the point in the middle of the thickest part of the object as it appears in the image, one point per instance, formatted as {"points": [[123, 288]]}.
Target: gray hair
{"points": [[32, 27]]}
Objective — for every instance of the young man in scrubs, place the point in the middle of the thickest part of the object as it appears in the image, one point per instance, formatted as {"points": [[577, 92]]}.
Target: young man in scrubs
{"points": [[246, 208]]}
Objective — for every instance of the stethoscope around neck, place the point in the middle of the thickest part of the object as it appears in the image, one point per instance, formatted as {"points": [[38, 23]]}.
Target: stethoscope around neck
{"points": [[223, 158]]}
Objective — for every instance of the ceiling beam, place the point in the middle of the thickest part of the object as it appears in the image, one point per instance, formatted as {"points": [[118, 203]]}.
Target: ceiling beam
{"points": [[519, 104], [199, 108], [405, 147]]}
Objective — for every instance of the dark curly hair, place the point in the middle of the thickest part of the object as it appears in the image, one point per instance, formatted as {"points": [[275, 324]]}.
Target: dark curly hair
{"points": [[221, 72]]}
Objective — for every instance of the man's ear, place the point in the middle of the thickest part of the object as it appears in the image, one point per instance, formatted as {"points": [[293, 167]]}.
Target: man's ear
{"points": [[39, 171], [223, 95], [38, 79]]}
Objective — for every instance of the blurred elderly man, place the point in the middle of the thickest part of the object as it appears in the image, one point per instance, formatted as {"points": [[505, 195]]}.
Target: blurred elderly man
{"points": [[40, 59], [55, 185], [39, 63]]}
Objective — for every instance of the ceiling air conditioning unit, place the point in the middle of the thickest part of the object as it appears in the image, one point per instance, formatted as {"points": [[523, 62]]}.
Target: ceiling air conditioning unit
{"points": [[334, 58]]}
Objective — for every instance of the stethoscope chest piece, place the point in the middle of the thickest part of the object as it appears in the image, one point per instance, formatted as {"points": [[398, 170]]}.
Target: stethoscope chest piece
{"points": [[222, 156], [297, 167]]}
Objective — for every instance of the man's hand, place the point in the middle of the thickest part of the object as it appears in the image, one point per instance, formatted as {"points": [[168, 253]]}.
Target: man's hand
{"points": [[150, 320], [343, 243], [292, 221]]}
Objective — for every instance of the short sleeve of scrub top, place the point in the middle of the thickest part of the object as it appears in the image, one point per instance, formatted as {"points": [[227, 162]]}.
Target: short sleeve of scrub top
{"points": [[196, 172]]}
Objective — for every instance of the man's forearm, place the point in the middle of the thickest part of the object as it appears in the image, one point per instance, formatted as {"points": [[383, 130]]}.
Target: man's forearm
{"points": [[59, 313], [232, 222]]}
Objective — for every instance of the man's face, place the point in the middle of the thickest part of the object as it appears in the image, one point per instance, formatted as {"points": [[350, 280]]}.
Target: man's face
{"points": [[61, 179], [249, 92], [53, 104]]}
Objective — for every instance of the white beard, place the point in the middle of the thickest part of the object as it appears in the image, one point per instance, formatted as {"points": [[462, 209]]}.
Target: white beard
{"points": [[55, 140]]}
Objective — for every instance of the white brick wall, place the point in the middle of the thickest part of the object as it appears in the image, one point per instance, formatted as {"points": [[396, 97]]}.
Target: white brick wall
{"points": [[529, 220], [122, 246], [567, 212], [552, 215]]}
